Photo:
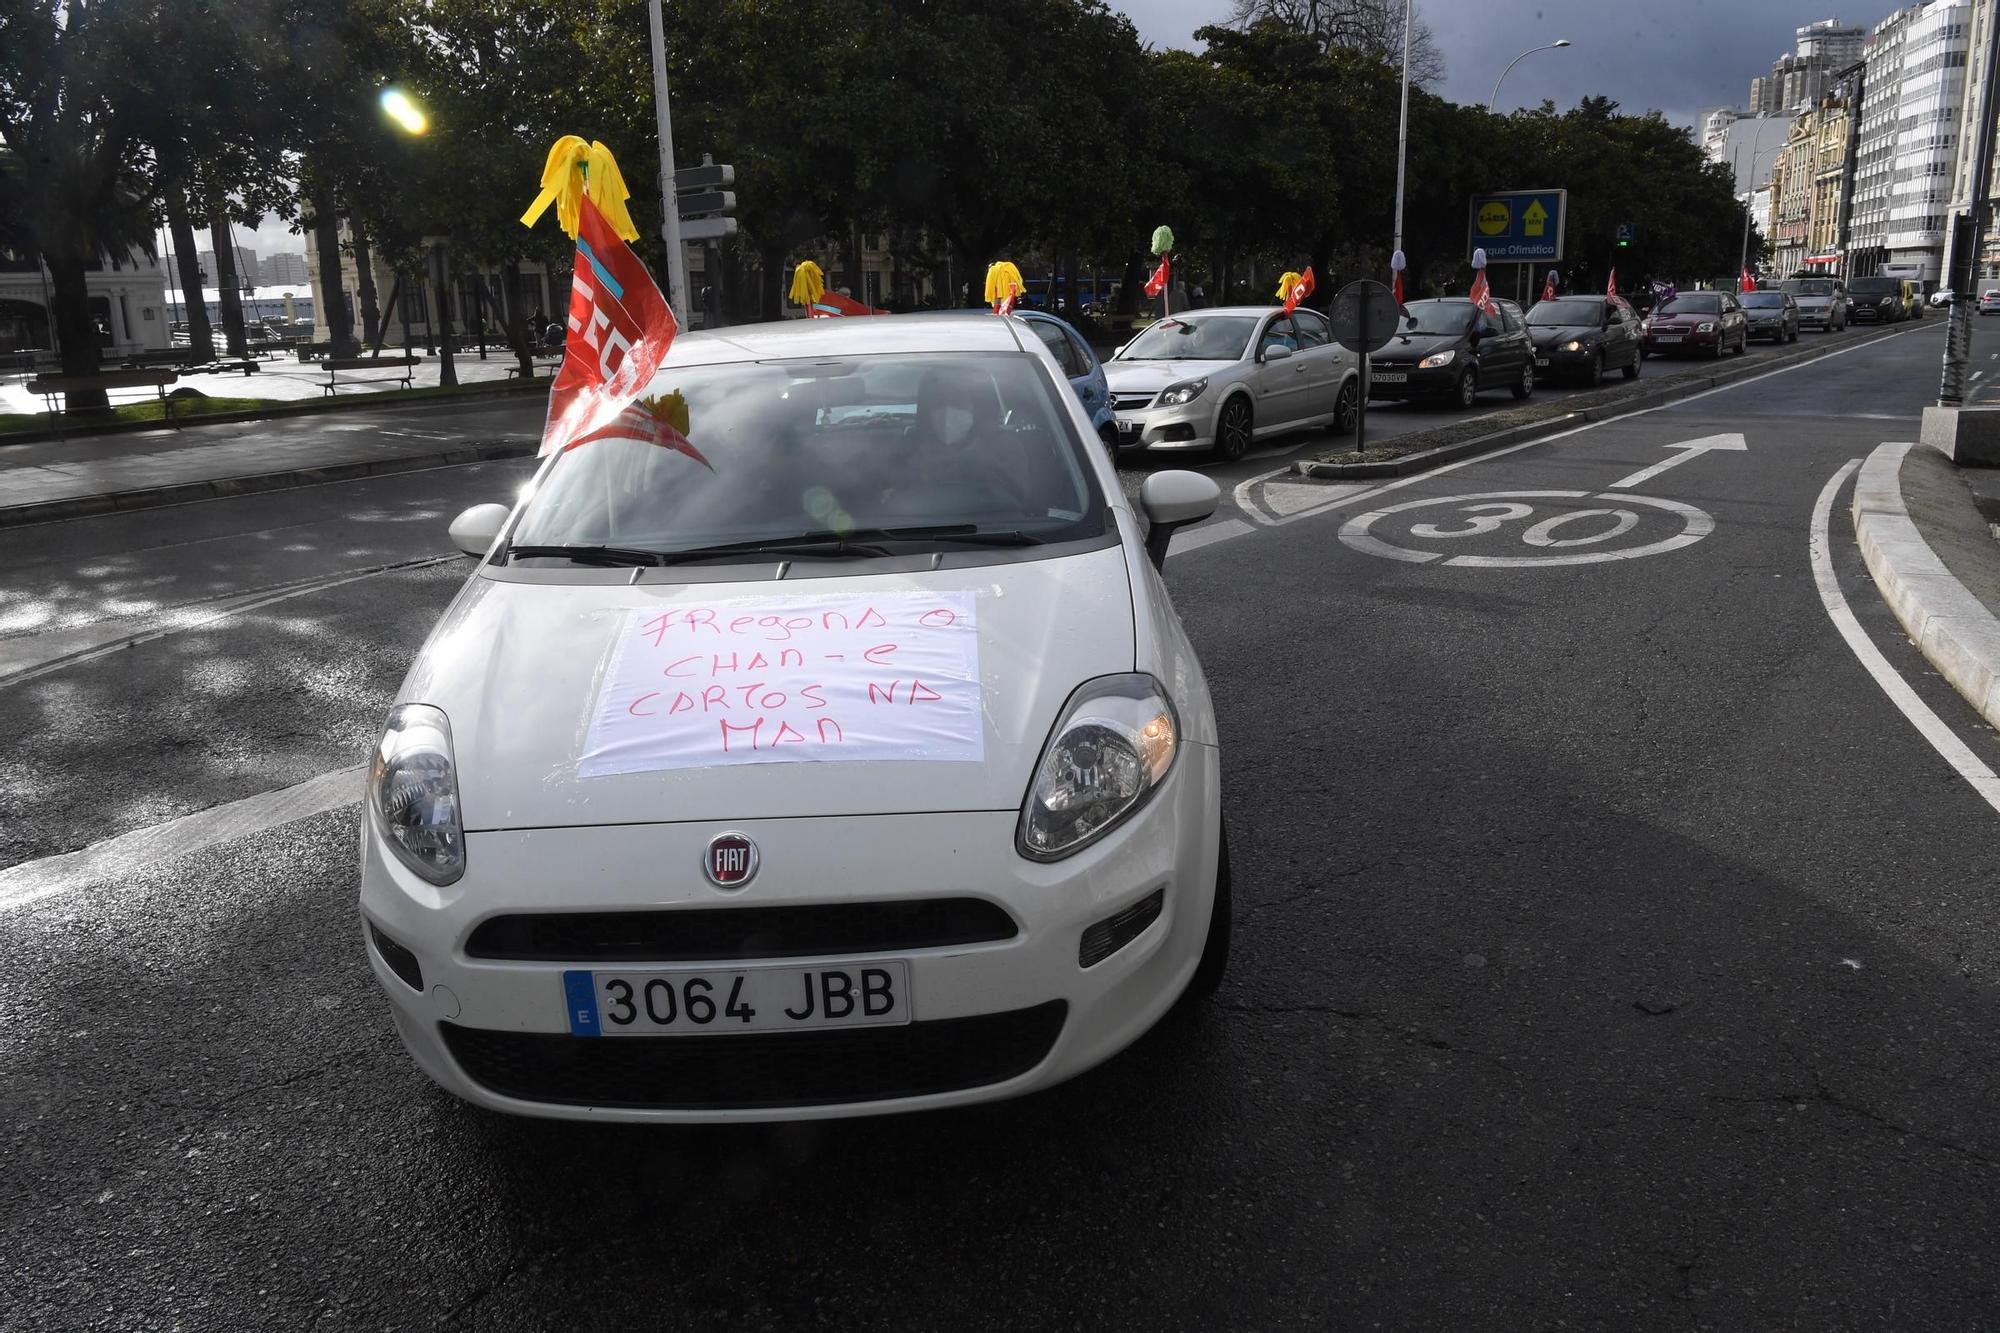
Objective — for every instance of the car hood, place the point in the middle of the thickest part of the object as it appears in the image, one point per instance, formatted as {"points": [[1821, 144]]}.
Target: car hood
{"points": [[1545, 335], [1153, 376], [1399, 352], [517, 667], [1762, 314], [1683, 320]]}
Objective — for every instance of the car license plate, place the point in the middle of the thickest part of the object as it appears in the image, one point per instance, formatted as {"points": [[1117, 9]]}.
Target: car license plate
{"points": [[1390, 376], [689, 1002], [1666, 337], [1129, 427], [1541, 361]]}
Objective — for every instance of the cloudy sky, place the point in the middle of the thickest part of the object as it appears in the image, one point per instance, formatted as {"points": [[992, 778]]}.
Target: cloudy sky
{"points": [[1677, 56]]}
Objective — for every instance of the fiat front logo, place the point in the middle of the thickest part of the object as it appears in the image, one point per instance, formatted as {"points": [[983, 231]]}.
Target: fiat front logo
{"points": [[731, 861]]}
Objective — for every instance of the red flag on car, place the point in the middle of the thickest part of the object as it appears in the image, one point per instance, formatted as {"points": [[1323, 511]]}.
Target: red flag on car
{"points": [[1611, 286], [1162, 275], [1481, 294], [1746, 283], [1549, 286], [1300, 290], [620, 328]]}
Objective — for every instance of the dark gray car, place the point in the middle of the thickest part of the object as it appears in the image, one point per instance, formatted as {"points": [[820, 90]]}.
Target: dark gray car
{"points": [[1584, 336], [1773, 315], [1450, 349]]}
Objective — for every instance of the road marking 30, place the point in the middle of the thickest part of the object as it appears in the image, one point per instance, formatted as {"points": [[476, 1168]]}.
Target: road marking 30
{"points": [[1484, 514]]}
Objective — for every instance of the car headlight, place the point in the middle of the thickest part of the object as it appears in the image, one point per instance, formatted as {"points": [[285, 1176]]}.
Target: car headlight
{"points": [[1436, 359], [1706, 326], [1574, 345], [413, 792], [1111, 750], [1184, 392]]}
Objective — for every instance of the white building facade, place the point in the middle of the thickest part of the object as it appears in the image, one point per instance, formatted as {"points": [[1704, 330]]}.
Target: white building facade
{"points": [[1929, 103], [127, 304]]}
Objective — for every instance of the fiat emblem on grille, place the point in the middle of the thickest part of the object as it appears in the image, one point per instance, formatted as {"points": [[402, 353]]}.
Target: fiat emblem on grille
{"points": [[731, 861]]}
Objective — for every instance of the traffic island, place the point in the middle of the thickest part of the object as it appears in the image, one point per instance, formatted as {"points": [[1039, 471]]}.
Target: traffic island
{"points": [[1934, 556], [1422, 450]]}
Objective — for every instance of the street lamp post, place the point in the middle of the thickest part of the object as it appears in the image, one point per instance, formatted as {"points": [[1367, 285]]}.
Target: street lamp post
{"points": [[1403, 124], [1493, 101]]}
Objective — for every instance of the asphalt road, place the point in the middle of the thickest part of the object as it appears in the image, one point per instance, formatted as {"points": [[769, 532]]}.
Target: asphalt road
{"points": [[1610, 952]]}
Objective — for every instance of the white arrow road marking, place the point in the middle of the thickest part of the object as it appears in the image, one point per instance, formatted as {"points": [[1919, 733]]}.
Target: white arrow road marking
{"points": [[1689, 449]]}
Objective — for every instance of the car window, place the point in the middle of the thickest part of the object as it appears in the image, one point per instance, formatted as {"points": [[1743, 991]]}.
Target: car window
{"points": [[796, 447], [1510, 317], [1439, 319], [1279, 333], [1764, 300], [1182, 338], [1059, 343], [1313, 328], [1571, 311], [1704, 303]]}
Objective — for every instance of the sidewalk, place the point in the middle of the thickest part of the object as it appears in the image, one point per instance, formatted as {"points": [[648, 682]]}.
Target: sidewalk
{"points": [[49, 480], [1927, 531]]}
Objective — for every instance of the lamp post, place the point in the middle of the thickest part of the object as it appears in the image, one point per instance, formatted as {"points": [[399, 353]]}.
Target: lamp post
{"points": [[1493, 101], [1402, 125], [1756, 148]]}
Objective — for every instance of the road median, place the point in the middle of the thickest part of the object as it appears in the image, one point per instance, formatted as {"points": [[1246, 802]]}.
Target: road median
{"points": [[1419, 451]]}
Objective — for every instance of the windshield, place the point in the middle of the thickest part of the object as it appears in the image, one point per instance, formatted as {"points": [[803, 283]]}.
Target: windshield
{"points": [[1567, 313], [1218, 338], [1692, 305], [1763, 300], [1811, 287], [833, 448], [1876, 287], [1439, 319]]}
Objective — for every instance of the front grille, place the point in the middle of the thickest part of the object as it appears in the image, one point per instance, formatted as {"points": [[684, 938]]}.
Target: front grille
{"points": [[1131, 402], [716, 1073], [400, 960], [1115, 932], [703, 934]]}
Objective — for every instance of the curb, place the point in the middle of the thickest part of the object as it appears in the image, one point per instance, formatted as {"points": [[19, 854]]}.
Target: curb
{"points": [[156, 497], [1681, 386], [1958, 635], [296, 408]]}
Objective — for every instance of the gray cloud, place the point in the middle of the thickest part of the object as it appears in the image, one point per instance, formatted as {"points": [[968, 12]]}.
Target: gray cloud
{"points": [[1676, 56]]}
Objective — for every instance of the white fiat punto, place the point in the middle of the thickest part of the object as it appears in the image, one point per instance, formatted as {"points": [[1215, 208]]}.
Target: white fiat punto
{"points": [[862, 766]]}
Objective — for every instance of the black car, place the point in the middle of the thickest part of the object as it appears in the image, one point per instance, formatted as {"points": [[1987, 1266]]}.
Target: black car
{"points": [[1451, 349], [1584, 336], [1773, 315], [1876, 300]]}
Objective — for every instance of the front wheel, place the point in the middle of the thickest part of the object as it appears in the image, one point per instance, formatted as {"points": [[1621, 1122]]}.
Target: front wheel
{"points": [[1345, 405], [1232, 432], [1597, 370], [1468, 388], [1632, 367], [1526, 384]]}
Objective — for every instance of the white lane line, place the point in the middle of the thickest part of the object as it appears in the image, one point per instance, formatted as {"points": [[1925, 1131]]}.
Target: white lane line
{"points": [[140, 850], [1208, 534], [1932, 727], [25, 659]]}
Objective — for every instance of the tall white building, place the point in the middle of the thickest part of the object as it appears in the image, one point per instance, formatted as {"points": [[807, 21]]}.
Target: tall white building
{"points": [[1928, 106], [1984, 14]]}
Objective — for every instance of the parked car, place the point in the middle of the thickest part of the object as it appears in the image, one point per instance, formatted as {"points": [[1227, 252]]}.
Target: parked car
{"points": [[1878, 301], [1772, 314], [1708, 323], [592, 885], [1584, 336], [1227, 376], [1943, 296], [1989, 301], [1450, 349], [1913, 299], [1822, 302]]}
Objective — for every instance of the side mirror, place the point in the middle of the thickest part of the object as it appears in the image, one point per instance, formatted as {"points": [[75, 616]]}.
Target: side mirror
{"points": [[1171, 501], [475, 530], [1276, 352]]}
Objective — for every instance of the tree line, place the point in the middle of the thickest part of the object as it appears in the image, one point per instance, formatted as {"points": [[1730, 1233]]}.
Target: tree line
{"points": [[962, 131]]}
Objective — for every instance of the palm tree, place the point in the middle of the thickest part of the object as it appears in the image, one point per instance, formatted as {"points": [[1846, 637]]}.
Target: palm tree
{"points": [[71, 183]]}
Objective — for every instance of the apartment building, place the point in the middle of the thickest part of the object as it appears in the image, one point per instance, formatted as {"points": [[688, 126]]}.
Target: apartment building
{"points": [[1984, 14]]}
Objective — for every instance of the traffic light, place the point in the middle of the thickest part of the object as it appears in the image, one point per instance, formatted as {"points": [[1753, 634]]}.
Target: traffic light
{"points": [[1624, 235], [703, 203]]}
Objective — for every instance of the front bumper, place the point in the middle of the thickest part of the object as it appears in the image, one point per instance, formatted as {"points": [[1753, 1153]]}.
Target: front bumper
{"points": [[1188, 425], [1437, 382], [1870, 314], [1774, 329], [1031, 990], [1815, 319], [1686, 341], [1553, 360]]}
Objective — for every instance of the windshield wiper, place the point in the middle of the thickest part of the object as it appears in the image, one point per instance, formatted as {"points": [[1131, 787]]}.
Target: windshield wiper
{"points": [[588, 555], [856, 542]]}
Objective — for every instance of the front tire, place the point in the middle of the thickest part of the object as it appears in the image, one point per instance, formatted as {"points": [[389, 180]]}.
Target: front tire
{"points": [[1632, 367], [1345, 406], [1596, 370], [1233, 430], [1468, 389], [1526, 384]]}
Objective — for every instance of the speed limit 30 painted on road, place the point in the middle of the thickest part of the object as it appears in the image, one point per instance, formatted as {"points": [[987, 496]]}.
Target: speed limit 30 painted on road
{"points": [[1527, 529]]}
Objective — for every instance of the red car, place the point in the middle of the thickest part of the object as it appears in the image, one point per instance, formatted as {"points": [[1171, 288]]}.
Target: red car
{"points": [[1704, 323]]}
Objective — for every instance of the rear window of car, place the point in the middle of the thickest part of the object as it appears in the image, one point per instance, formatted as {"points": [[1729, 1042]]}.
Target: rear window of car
{"points": [[834, 446], [1703, 304]]}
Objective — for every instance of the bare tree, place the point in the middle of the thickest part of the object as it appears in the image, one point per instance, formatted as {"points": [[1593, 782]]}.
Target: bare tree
{"points": [[1374, 26]]}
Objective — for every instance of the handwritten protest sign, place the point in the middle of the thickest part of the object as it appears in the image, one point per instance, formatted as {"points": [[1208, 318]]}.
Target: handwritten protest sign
{"points": [[760, 680]]}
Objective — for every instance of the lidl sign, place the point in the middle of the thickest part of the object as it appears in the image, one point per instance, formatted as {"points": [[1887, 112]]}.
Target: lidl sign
{"points": [[1518, 226]]}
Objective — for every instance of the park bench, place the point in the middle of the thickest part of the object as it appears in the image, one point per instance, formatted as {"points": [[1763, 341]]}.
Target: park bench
{"points": [[537, 363], [397, 367], [52, 388]]}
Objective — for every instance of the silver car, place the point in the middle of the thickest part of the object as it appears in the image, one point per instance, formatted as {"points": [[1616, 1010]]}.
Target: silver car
{"points": [[1225, 377]]}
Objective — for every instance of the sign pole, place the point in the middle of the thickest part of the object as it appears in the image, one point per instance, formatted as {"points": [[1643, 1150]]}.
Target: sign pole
{"points": [[1361, 389], [670, 214]]}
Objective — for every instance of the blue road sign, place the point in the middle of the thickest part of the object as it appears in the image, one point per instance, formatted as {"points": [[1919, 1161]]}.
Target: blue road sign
{"points": [[1518, 226]]}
